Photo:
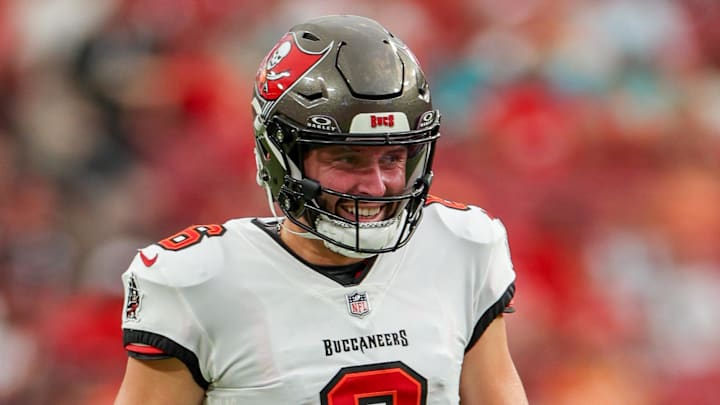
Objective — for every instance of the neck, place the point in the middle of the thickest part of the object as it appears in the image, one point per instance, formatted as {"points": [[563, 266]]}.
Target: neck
{"points": [[311, 250]]}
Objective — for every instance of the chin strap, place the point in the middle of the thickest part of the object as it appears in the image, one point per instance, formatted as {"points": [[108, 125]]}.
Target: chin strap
{"points": [[306, 235], [271, 204]]}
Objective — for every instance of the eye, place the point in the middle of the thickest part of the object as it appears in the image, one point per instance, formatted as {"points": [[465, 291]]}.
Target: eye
{"points": [[346, 158], [350, 159], [394, 158]]}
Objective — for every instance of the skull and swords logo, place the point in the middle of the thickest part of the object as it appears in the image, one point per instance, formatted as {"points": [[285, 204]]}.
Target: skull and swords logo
{"points": [[284, 65]]}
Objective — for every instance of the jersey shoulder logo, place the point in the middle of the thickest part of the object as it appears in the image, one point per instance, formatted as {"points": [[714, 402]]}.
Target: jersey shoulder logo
{"points": [[283, 66], [132, 300]]}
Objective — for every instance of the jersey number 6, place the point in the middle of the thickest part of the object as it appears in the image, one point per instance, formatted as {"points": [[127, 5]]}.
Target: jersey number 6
{"points": [[190, 236], [392, 383]]}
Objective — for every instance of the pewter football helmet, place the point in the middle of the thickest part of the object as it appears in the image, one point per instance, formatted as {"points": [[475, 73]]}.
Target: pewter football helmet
{"points": [[343, 80]]}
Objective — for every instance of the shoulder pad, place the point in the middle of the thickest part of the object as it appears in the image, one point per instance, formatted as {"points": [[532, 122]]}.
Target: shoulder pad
{"points": [[469, 223], [179, 268]]}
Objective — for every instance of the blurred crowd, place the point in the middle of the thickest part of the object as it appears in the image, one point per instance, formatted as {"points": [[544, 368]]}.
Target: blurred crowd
{"points": [[590, 127]]}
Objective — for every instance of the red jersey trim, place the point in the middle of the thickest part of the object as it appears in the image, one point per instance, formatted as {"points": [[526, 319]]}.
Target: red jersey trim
{"points": [[143, 349]]}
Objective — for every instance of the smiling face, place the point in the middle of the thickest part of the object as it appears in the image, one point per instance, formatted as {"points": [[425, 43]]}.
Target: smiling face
{"points": [[368, 171]]}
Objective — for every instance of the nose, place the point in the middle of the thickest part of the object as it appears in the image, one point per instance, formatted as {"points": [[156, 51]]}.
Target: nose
{"points": [[371, 181]]}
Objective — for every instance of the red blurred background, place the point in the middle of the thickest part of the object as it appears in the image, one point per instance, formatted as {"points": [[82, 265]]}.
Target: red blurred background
{"points": [[591, 128]]}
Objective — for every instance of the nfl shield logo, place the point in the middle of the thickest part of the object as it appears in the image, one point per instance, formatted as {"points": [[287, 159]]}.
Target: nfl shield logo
{"points": [[358, 304]]}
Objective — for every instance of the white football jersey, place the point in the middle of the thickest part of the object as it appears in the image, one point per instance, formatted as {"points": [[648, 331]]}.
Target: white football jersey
{"points": [[257, 325]]}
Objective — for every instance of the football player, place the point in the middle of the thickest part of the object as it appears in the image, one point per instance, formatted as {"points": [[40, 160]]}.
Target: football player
{"points": [[365, 289]]}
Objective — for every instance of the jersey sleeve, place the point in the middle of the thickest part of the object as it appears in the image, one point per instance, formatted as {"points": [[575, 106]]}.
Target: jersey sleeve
{"points": [[481, 244], [157, 320], [494, 288]]}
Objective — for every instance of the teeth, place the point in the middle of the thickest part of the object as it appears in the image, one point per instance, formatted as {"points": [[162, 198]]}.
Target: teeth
{"points": [[364, 212]]}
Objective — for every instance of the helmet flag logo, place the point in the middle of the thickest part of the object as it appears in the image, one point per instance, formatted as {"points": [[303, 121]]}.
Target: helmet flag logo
{"points": [[283, 66]]}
